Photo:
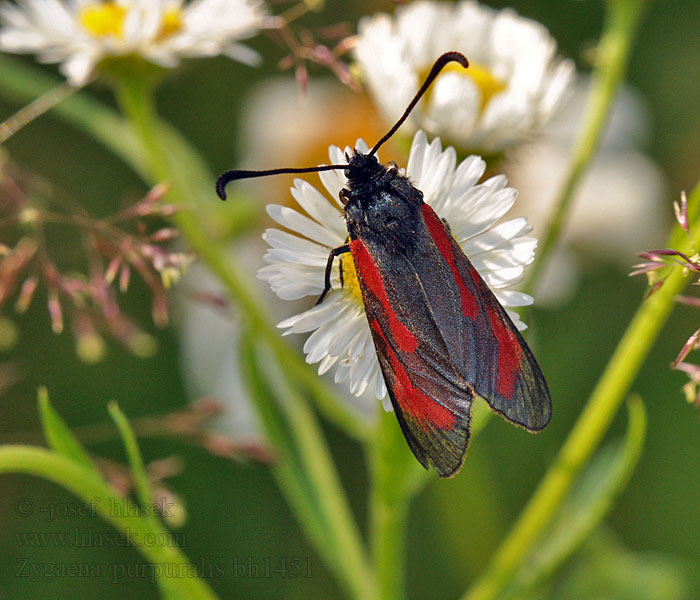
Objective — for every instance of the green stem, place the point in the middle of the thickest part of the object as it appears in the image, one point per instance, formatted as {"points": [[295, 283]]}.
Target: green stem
{"points": [[115, 510], [396, 476], [305, 471], [341, 524], [389, 521], [135, 98], [591, 426], [622, 20]]}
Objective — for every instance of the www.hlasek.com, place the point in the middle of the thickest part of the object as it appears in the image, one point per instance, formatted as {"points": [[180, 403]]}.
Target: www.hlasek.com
{"points": [[87, 537]]}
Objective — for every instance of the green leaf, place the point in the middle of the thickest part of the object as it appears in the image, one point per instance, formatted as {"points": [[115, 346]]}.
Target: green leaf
{"points": [[57, 434], [590, 500], [138, 469], [169, 589]]}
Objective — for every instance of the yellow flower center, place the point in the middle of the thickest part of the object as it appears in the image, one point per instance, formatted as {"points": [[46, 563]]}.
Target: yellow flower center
{"points": [[172, 23], [487, 83], [349, 277], [107, 19], [104, 19]]}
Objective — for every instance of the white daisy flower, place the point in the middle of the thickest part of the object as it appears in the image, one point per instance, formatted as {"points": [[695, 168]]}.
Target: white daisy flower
{"points": [[296, 262], [80, 33], [512, 86]]}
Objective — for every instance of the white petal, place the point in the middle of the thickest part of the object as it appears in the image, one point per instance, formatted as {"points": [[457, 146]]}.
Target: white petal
{"points": [[305, 251], [513, 298], [314, 317], [318, 207], [481, 209], [495, 237], [394, 53], [295, 221]]}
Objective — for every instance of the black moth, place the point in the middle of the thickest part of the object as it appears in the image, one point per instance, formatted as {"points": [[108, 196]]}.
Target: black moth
{"points": [[440, 334]]}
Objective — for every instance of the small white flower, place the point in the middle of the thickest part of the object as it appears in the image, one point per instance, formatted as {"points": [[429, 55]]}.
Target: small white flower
{"points": [[79, 33], [295, 267], [512, 86]]}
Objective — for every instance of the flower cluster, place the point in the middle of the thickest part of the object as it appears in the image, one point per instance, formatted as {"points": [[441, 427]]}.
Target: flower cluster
{"points": [[79, 34], [89, 302], [305, 48], [659, 260]]}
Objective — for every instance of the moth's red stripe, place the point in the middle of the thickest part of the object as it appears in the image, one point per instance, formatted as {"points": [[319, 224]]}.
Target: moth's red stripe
{"points": [[509, 355], [372, 278], [470, 308], [414, 403]]}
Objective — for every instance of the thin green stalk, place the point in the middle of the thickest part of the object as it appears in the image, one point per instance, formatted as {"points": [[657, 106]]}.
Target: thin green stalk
{"points": [[622, 21], [389, 521], [136, 101], [603, 481], [591, 426], [34, 109], [305, 470], [388, 515], [115, 510], [321, 471], [396, 476]]}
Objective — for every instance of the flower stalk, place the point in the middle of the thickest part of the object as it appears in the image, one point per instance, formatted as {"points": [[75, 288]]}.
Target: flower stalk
{"points": [[612, 56], [395, 478]]}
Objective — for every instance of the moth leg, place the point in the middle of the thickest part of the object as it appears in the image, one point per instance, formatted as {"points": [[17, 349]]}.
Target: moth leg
{"points": [[329, 266]]}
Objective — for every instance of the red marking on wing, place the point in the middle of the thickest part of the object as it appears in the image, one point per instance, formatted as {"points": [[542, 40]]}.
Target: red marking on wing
{"points": [[470, 308], [414, 403], [509, 355], [372, 278]]}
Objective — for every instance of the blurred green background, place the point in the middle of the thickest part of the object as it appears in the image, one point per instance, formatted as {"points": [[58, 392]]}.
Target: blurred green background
{"points": [[651, 541]]}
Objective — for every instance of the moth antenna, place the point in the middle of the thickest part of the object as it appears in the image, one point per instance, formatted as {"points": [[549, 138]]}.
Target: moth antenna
{"points": [[236, 174], [438, 66]]}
